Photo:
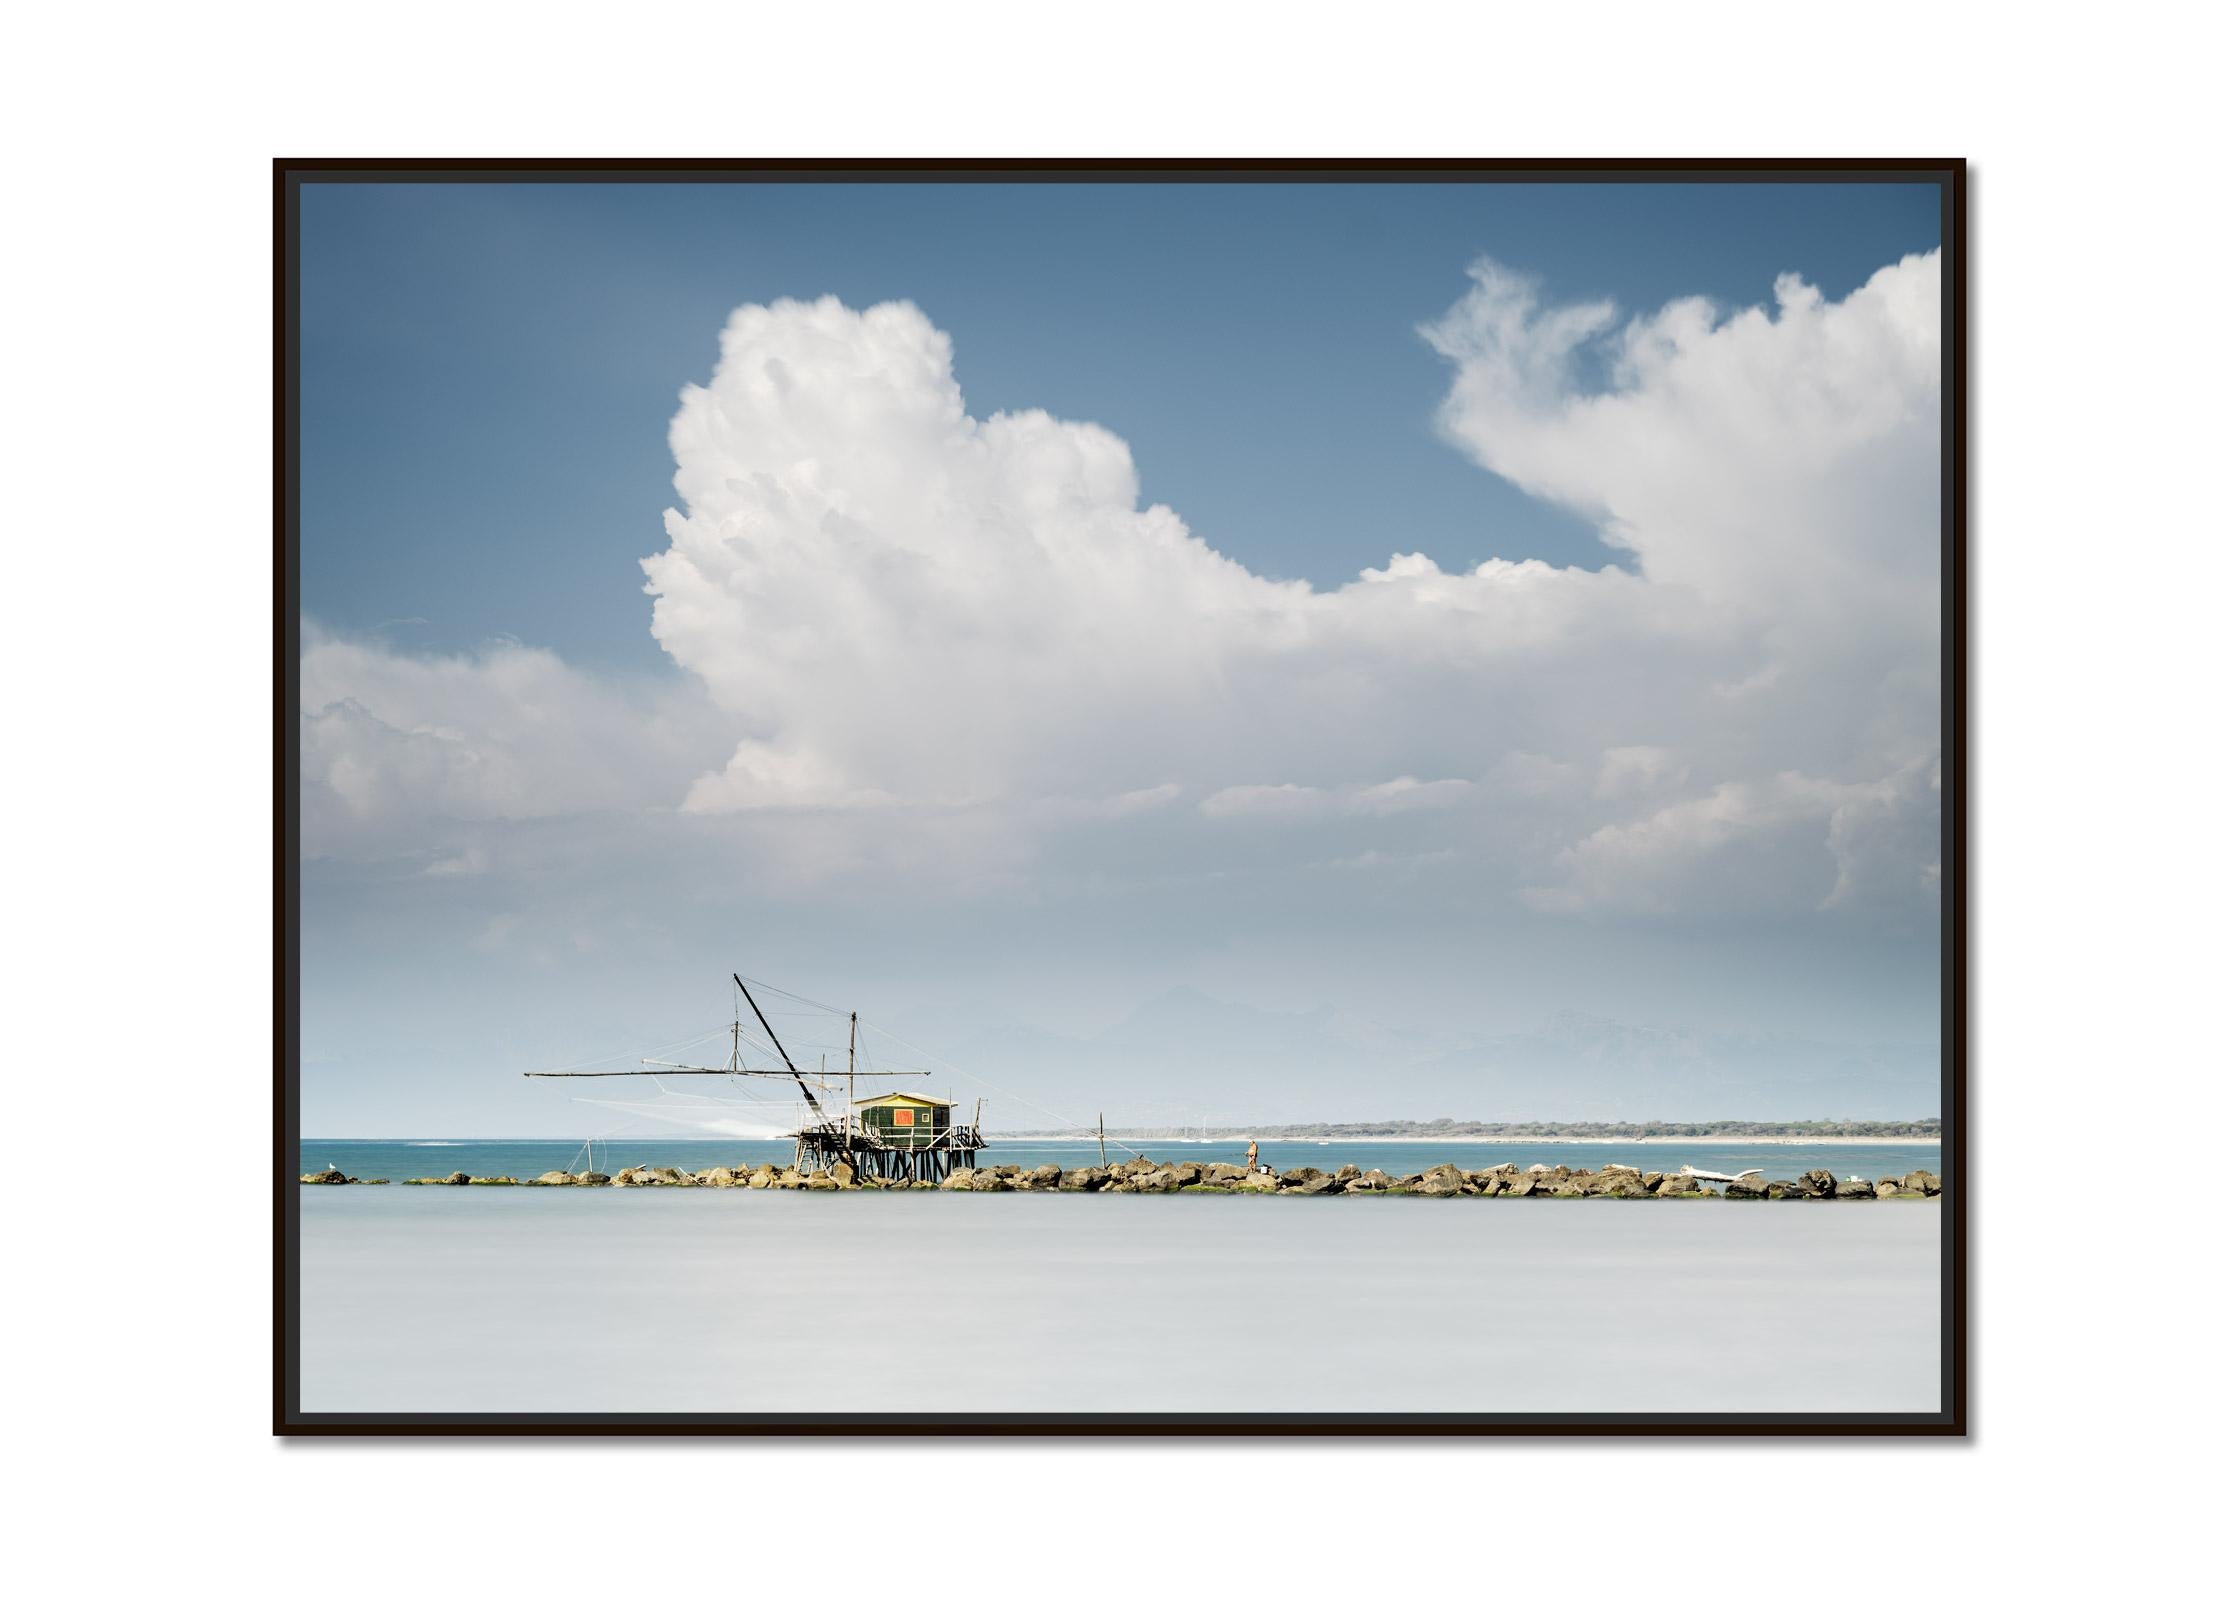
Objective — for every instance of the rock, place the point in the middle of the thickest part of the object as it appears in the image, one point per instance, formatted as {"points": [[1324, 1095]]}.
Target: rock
{"points": [[818, 1180], [760, 1177], [1519, 1184], [1679, 1183], [959, 1179], [1188, 1172], [498, 1182], [1223, 1172], [1778, 1190], [554, 1178], [1441, 1181], [1137, 1167], [842, 1173], [1625, 1188], [1373, 1180], [1887, 1188], [1652, 1179], [593, 1180], [1540, 1169], [1573, 1188], [459, 1178], [988, 1180], [1747, 1189], [1347, 1173], [1082, 1179], [1818, 1181], [329, 1176], [790, 1178], [1302, 1175], [1043, 1177], [719, 1177], [1854, 1189], [1320, 1183], [1260, 1183], [1920, 1181], [1159, 1180]]}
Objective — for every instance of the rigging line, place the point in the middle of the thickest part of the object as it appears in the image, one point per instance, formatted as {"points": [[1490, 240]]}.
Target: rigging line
{"points": [[756, 1007], [772, 988], [1009, 1094], [620, 1055]]}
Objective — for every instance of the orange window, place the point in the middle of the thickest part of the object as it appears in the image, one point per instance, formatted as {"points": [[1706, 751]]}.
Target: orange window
{"points": [[904, 1117]]}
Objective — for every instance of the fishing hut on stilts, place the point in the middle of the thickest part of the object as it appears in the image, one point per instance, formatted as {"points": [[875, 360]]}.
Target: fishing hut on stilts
{"points": [[898, 1137]]}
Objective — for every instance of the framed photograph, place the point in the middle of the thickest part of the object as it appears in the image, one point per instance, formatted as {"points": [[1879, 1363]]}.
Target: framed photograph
{"points": [[883, 766]]}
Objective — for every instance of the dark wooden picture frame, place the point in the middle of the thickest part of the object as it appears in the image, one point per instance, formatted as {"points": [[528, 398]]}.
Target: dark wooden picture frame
{"points": [[1950, 176]]}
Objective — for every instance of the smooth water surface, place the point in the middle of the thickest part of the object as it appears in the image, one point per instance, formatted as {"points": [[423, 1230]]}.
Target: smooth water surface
{"points": [[773, 1302]]}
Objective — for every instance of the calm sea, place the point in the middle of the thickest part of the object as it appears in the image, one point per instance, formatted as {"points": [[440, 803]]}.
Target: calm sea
{"points": [[397, 1159], [670, 1300]]}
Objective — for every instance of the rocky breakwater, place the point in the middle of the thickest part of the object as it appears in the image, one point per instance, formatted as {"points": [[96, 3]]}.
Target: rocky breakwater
{"points": [[1141, 1176]]}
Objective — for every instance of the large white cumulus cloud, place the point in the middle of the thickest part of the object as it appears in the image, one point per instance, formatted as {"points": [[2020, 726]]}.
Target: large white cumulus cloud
{"points": [[889, 610], [902, 602]]}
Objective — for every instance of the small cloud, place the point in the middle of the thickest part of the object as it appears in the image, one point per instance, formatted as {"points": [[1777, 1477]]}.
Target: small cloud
{"points": [[1638, 769], [497, 934], [1136, 801], [1264, 800], [1409, 794], [1370, 859], [1400, 567], [468, 863]]}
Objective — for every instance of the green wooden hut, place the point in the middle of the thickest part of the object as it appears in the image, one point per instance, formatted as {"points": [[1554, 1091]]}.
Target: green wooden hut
{"points": [[905, 1121]]}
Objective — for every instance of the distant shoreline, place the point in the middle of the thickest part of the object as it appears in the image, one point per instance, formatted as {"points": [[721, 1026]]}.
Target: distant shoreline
{"points": [[1070, 1137], [1481, 1138]]}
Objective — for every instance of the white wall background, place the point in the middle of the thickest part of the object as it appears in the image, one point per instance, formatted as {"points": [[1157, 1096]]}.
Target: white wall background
{"points": [[136, 620]]}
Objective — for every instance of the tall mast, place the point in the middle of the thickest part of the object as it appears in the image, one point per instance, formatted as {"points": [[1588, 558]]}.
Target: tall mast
{"points": [[817, 1109], [851, 1074]]}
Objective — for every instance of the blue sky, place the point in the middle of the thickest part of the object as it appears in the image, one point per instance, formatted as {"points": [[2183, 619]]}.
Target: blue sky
{"points": [[488, 371], [659, 627]]}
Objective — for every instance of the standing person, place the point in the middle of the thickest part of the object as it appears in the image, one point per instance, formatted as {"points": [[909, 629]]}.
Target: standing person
{"points": [[1252, 1155]]}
